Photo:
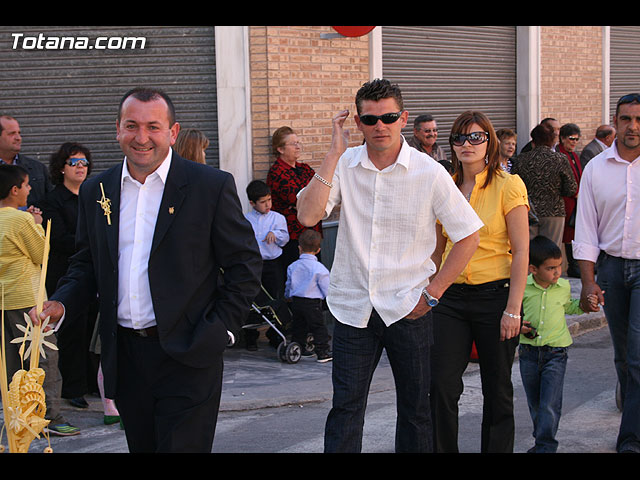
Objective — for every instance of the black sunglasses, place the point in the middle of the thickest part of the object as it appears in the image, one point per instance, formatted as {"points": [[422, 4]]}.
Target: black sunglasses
{"points": [[474, 138], [386, 118], [72, 162]]}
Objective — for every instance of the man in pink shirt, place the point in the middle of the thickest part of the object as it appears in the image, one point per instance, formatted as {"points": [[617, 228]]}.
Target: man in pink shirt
{"points": [[608, 234]]}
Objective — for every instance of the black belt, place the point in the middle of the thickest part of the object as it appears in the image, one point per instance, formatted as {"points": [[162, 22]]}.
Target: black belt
{"points": [[141, 332]]}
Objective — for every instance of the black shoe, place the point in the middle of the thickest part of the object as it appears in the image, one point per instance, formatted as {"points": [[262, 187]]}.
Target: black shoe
{"points": [[78, 402], [324, 357]]}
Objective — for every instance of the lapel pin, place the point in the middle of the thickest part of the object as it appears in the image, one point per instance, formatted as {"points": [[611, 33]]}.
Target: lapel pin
{"points": [[171, 210], [105, 203]]}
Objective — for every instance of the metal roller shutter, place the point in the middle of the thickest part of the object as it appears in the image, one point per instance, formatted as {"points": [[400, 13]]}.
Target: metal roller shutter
{"points": [[72, 94], [624, 65], [447, 70]]}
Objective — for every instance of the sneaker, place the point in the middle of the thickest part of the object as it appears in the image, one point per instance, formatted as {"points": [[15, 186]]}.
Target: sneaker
{"points": [[63, 430], [324, 357]]}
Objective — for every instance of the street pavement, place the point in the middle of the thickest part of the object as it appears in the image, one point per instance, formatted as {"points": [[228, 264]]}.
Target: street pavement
{"points": [[259, 379]]}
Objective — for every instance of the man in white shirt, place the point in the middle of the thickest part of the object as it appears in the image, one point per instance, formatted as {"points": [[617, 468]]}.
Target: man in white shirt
{"points": [[390, 196], [608, 233]]}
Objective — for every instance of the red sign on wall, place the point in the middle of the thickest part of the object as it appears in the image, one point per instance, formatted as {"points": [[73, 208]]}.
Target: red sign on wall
{"points": [[353, 31]]}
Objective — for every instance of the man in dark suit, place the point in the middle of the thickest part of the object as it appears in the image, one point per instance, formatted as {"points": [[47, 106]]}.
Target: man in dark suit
{"points": [[10, 145], [605, 135], [153, 235]]}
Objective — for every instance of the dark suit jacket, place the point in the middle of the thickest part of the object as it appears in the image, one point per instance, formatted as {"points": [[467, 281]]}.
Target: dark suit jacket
{"points": [[200, 230], [592, 149], [61, 207], [38, 179]]}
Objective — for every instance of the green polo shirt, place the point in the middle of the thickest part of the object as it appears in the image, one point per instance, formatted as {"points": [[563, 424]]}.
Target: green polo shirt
{"points": [[545, 309]]}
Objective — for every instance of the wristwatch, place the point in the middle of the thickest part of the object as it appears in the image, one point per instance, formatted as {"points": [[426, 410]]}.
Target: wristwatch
{"points": [[431, 301]]}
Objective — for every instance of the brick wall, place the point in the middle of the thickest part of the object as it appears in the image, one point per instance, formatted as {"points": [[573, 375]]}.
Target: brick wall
{"points": [[571, 77], [300, 79]]}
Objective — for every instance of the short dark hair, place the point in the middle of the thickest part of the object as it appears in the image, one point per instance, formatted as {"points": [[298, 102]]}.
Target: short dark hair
{"points": [[543, 134], [425, 117], [310, 240], [147, 94], [377, 90], [11, 176], [569, 129], [257, 189], [59, 158], [629, 98], [541, 249]]}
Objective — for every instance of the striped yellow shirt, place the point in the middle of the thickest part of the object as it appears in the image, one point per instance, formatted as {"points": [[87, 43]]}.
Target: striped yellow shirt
{"points": [[492, 259], [21, 250]]}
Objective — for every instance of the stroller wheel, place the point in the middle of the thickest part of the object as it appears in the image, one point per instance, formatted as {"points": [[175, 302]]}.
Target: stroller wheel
{"points": [[289, 353], [309, 347]]}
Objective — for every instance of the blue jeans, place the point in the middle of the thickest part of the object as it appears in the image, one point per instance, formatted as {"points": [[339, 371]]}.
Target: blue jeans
{"points": [[356, 353], [620, 280], [542, 371]]}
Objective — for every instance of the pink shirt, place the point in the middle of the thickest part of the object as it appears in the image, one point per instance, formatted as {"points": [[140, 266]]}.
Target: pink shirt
{"points": [[608, 217]]}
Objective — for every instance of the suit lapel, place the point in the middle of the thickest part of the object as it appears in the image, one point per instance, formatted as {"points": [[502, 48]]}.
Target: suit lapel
{"points": [[171, 200]]}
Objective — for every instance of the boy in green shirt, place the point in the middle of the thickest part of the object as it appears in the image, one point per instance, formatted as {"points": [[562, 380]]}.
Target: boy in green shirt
{"points": [[545, 339]]}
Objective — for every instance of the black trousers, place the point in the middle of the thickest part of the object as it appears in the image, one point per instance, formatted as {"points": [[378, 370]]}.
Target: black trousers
{"points": [[469, 313], [165, 406], [308, 317]]}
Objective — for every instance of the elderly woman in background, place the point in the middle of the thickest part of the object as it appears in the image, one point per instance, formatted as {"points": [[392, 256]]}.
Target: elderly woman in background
{"points": [[484, 303], [569, 138], [69, 168], [508, 140], [548, 178], [286, 177], [191, 144]]}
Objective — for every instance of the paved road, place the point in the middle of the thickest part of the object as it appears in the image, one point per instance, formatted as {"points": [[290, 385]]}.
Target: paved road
{"points": [[269, 406], [589, 423]]}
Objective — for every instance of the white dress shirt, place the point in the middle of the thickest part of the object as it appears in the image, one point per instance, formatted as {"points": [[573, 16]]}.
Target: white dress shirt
{"points": [[139, 206], [262, 224], [386, 232], [608, 215]]}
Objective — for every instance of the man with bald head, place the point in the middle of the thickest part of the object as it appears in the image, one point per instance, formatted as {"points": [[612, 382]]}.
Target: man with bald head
{"points": [[605, 134]]}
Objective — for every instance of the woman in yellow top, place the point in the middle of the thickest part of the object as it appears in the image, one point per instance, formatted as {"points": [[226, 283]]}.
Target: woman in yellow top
{"points": [[484, 304]]}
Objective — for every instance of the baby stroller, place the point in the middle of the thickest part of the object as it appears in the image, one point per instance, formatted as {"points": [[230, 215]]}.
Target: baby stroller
{"points": [[275, 314]]}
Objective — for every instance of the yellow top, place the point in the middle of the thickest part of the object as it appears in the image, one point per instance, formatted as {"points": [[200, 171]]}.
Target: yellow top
{"points": [[492, 259], [22, 244]]}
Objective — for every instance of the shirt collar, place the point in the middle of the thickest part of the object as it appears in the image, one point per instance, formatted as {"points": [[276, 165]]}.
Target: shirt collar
{"points": [[15, 160], [308, 256], [284, 164], [162, 171], [612, 153], [362, 158], [532, 281]]}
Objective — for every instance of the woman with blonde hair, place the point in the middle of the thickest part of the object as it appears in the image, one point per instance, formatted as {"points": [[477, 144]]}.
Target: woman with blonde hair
{"points": [[484, 303], [191, 144]]}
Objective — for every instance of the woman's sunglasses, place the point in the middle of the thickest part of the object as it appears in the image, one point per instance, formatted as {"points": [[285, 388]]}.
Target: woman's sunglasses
{"points": [[474, 138], [72, 162], [386, 118]]}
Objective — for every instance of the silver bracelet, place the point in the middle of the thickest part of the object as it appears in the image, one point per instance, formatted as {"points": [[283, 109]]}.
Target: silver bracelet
{"points": [[328, 184], [512, 315]]}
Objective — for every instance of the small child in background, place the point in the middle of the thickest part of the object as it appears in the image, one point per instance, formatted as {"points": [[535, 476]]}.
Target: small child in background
{"points": [[272, 234], [545, 339], [307, 285]]}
